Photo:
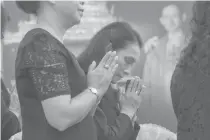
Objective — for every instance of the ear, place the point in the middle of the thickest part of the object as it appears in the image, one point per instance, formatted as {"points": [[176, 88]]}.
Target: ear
{"points": [[184, 17], [161, 20], [109, 47]]}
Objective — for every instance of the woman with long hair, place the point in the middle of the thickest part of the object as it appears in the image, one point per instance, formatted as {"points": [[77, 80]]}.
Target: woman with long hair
{"points": [[115, 116], [190, 81], [56, 97]]}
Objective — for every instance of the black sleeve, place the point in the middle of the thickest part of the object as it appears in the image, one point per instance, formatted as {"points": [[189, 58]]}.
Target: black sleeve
{"points": [[121, 129], [135, 131], [47, 68]]}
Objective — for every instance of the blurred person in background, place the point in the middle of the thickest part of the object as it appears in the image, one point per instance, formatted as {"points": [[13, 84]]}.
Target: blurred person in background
{"points": [[56, 97], [9, 121], [162, 55], [115, 116], [165, 50], [190, 89]]}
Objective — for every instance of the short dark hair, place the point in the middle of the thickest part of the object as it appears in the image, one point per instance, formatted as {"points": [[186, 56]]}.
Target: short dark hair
{"points": [[29, 7], [119, 34]]}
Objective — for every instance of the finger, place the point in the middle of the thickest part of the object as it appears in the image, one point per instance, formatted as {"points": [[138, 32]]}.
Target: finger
{"points": [[139, 88], [130, 85], [114, 69], [113, 63], [121, 90], [92, 66], [143, 87], [111, 59], [105, 58], [123, 80], [135, 84], [155, 38], [122, 97]]}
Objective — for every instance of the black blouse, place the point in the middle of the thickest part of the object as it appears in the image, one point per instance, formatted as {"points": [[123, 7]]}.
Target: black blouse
{"points": [[111, 124], [45, 69], [190, 92]]}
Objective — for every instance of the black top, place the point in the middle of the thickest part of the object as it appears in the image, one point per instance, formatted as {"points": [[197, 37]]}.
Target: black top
{"points": [[111, 124], [45, 69], [190, 92]]}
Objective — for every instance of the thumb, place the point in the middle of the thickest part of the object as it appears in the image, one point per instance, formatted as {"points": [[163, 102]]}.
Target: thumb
{"points": [[92, 66]]}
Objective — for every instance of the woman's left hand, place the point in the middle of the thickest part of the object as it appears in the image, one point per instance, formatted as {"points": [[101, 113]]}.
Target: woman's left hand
{"points": [[135, 119]]}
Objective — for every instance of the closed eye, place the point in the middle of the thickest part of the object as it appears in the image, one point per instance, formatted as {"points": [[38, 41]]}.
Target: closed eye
{"points": [[129, 60]]}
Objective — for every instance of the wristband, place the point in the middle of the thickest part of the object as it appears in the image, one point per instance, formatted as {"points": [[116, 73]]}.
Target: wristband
{"points": [[95, 92]]}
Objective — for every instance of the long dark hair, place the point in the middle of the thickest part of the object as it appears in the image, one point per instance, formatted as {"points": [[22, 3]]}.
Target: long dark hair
{"points": [[200, 30], [119, 34]]}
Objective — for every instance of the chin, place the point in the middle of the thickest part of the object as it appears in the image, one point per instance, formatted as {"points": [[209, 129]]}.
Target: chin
{"points": [[77, 19]]}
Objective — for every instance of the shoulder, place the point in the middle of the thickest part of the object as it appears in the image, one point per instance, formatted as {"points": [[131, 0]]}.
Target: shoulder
{"points": [[38, 39], [39, 48]]}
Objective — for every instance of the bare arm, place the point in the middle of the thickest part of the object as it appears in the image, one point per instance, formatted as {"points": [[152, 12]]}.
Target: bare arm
{"points": [[47, 69], [54, 92], [63, 111]]}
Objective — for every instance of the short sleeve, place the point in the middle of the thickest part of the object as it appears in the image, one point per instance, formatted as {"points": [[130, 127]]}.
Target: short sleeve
{"points": [[46, 67]]}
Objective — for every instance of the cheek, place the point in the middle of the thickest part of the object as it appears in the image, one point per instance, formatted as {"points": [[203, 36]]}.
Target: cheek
{"points": [[120, 66], [69, 8], [177, 21]]}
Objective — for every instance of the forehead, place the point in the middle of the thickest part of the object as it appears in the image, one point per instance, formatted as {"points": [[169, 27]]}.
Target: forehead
{"points": [[131, 49], [170, 10]]}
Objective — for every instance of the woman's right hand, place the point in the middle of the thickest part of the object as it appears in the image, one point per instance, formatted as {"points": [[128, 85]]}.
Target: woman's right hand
{"points": [[100, 77], [151, 44], [130, 101]]}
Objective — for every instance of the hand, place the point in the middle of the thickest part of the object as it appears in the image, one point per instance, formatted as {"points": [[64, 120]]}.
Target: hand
{"points": [[131, 99], [100, 77], [151, 44], [134, 120]]}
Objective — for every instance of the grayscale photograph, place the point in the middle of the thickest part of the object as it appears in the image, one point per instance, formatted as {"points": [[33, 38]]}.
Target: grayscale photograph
{"points": [[105, 70]]}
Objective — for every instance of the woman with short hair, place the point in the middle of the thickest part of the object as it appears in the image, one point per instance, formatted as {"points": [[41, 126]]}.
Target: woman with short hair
{"points": [[55, 95]]}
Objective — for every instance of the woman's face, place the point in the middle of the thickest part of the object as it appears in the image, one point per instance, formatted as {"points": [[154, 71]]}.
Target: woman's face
{"points": [[72, 10], [127, 58]]}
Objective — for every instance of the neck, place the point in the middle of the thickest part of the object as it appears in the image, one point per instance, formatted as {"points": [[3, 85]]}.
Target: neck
{"points": [[175, 32], [53, 23]]}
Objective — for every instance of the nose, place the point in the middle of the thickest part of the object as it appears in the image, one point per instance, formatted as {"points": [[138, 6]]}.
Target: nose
{"points": [[81, 6]]}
